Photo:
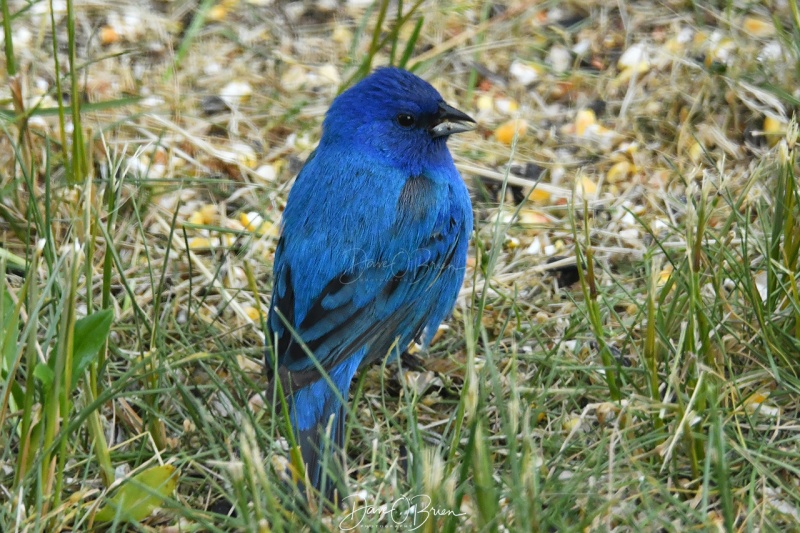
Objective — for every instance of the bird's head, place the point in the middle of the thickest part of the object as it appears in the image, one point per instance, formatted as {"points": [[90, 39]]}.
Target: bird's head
{"points": [[396, 115]]}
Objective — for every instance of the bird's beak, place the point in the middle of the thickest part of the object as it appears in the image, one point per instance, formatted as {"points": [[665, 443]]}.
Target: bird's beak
{"points": [[450, 120]]}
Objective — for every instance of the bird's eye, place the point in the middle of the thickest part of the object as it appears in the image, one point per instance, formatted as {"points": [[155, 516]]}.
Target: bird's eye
{"points": [[405, 120]]}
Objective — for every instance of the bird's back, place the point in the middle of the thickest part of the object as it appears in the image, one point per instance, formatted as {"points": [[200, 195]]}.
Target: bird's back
{"points": [[379, 259]]}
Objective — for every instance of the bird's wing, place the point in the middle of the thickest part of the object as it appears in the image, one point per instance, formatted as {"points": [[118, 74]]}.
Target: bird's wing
{"points": [[375, 305]]}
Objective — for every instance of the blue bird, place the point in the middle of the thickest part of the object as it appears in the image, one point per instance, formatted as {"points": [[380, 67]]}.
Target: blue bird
{"points": [[371, 254]]}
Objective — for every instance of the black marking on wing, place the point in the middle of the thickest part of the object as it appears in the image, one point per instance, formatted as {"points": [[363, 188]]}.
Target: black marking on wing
{"points": [[447, 261], [341, 342], [286, 306], [283, 303], [339, 331], [343, 288]]}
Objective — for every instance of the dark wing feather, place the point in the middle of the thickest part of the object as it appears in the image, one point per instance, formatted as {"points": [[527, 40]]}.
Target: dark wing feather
{"points": [[341, 321]]}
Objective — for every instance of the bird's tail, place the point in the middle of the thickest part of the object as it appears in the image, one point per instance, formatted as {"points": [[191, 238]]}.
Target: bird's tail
{"points": [[321, 447], [318, 418]]}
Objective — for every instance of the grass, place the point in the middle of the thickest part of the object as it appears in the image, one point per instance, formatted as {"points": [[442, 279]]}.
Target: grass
{"points": [[647, 380]]}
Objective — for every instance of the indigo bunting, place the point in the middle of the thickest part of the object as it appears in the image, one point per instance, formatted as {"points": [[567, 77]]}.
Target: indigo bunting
{"points": [[371, 254]]}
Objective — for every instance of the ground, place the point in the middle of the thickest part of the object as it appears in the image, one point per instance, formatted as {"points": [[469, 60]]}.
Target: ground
{"points": [[623, 355]]}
